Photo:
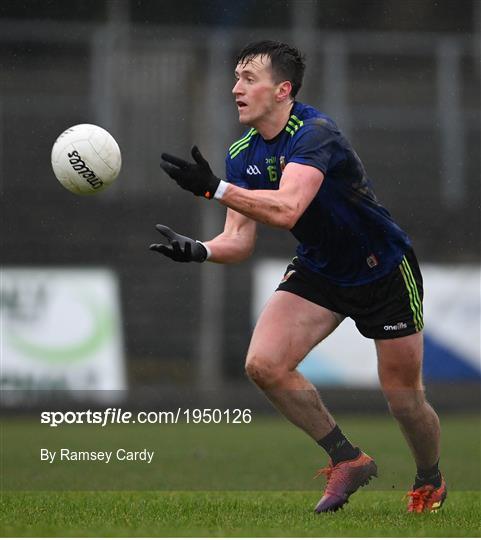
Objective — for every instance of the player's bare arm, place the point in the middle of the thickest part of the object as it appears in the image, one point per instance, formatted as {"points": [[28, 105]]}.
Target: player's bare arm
{"points": [[235, 244], [279, 208], [237, 241]]}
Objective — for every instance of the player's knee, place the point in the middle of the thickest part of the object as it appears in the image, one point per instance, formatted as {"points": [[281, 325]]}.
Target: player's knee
{"points": [[262, 371], [398, 379]]}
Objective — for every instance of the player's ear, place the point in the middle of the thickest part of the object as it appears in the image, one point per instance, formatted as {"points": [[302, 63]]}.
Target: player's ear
{"points": [[284, 90]]}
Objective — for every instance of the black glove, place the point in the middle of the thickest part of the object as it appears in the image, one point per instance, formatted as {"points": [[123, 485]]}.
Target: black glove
{"points": [[195, 177], [180, 248]]}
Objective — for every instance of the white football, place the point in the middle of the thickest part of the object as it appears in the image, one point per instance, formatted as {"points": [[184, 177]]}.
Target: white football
{"points": [[86, 159]]}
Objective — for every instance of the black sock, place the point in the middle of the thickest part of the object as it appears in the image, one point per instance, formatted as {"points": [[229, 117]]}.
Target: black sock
{"points": [[428, 476], [338, 447]]}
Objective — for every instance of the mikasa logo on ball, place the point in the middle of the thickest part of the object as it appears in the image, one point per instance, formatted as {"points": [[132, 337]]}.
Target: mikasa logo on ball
{"points": [[78, 165]]}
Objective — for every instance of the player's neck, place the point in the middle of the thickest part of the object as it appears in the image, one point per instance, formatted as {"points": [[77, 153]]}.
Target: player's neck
{"points": [[275, 122]]}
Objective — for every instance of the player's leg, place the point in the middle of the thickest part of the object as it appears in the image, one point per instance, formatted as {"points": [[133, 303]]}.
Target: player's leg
{"points": [[400, 375], [289, 327]]}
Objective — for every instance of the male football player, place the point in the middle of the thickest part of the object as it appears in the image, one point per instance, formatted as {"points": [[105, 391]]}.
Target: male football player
{"points": [[293, 169]]}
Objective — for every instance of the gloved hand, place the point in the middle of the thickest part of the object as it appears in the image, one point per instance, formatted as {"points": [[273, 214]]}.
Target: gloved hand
{"points": [[180, 248], [195, 177]]}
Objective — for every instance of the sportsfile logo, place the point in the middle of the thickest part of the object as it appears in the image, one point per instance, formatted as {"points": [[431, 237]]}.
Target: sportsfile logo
{"points": [[253, 169], [397, 326], [78, 164]]}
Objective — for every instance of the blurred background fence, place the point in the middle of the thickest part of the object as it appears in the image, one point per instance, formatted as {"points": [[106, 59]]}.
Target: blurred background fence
{"points": [[402, 79]]}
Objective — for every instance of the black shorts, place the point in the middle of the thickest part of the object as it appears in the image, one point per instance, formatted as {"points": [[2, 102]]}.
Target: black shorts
{"points": [[387, 308]]}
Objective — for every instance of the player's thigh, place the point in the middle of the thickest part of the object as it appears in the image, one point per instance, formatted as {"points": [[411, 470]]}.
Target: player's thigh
{"points": [[288, 328], [400, 362]]}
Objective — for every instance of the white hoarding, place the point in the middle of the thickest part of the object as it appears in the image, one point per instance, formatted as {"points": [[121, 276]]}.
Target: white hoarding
{"points": [[60, 329]]}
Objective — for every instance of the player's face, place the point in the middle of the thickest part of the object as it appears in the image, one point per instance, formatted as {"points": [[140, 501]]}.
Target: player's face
{"points": [[255, 91]]}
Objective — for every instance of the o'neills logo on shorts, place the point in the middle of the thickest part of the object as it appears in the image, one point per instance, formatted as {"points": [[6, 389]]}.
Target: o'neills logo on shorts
{"points": [[78, 164], [397, 326]]}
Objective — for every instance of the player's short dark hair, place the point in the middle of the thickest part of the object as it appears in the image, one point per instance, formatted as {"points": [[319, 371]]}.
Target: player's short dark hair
{"points": [[288, 63]]}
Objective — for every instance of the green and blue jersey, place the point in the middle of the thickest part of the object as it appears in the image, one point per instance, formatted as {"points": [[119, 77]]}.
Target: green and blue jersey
{"points": [[345, 234]]}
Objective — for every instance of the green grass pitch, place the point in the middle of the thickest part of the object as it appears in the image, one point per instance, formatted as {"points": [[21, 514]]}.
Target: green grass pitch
{"points": [[235, 481]]}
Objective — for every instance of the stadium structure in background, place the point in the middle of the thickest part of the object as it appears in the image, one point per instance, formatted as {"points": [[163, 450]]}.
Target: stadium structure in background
{"points": [[402, 81]]}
